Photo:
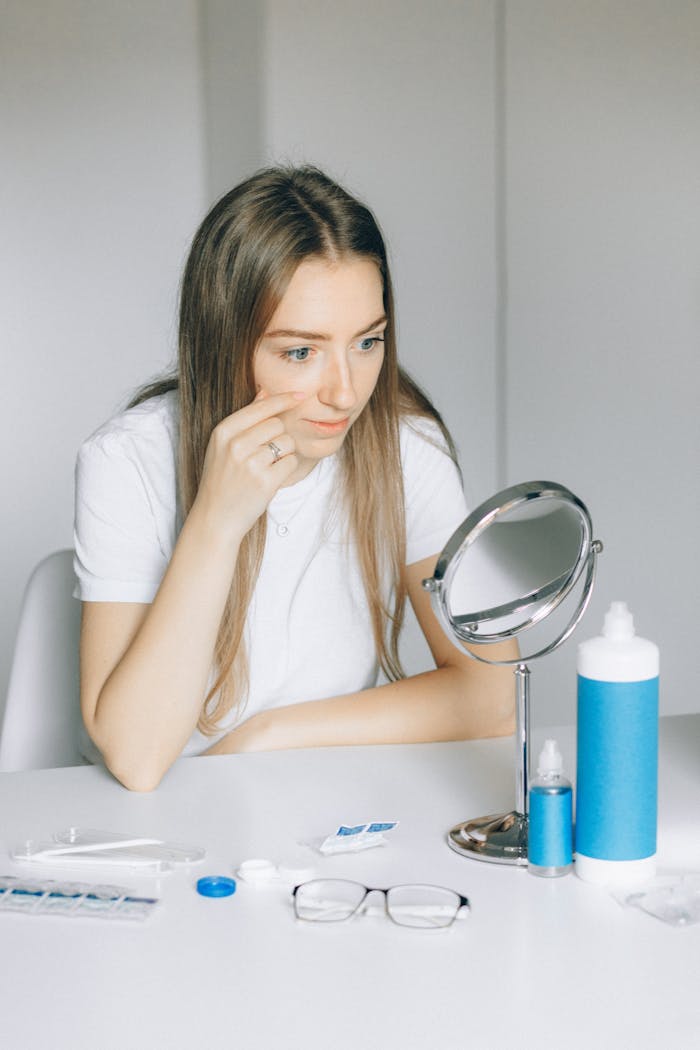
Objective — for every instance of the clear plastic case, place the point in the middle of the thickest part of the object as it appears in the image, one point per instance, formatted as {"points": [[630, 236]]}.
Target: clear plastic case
{"points": [[75, 846]]}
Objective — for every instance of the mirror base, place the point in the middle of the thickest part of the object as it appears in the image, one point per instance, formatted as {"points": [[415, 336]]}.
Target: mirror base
{"points": [[500, 838]]}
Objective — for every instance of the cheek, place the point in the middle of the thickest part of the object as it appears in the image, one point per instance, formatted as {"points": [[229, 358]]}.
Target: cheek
{"points": [[370, 376], [276, 376]]}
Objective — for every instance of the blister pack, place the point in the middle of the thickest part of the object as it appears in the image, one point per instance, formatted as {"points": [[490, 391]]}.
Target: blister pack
{"points": [[72, 899]]}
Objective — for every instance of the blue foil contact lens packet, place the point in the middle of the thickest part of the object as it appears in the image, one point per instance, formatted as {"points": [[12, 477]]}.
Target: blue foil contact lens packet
{"points": [[350, 838]]}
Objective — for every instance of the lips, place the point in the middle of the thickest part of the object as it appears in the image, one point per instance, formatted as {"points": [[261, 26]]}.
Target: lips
{"points": [[332, 426]]}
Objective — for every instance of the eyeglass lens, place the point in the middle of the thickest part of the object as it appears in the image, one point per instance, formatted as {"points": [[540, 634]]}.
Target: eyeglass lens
{"points": [[425, 907], [332, 900], [328, 900]]}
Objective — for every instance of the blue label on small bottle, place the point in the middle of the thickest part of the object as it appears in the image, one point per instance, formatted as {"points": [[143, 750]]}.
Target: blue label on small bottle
{"points": [[550, 837], [617, 764]]}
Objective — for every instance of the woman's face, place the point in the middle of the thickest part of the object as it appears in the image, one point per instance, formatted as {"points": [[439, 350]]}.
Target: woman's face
{"points": [[326, 340]]}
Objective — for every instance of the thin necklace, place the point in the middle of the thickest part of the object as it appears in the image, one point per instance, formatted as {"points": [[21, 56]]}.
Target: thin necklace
{"points": [[282, 527]]}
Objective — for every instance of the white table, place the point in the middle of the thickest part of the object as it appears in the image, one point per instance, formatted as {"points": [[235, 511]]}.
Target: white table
{"points": [[539, 963]]}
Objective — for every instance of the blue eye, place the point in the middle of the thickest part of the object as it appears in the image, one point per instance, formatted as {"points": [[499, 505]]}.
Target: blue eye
{"points": [[299, 353], [369, 342]]}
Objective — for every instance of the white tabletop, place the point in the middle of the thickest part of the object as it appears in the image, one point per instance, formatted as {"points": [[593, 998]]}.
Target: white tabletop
{"points": [[539, 963]]}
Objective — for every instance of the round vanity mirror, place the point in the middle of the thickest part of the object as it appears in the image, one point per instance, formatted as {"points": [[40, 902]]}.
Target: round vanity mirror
{"points": [[521, 555], [511, 563]]}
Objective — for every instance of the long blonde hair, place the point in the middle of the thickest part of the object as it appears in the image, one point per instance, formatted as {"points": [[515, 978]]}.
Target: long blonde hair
{"points": [[242, 259]]}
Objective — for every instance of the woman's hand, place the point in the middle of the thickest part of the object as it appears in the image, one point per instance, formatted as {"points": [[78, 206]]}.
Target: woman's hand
{"points": [[241, 474], [254, 734]]}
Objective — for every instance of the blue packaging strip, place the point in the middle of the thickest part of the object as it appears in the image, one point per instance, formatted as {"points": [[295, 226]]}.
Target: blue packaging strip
{"points": [[550, 832], [617, 769], [370, 829]]}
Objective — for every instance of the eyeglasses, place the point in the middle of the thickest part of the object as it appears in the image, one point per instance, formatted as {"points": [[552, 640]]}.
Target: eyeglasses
{"points": [[419, 906]]}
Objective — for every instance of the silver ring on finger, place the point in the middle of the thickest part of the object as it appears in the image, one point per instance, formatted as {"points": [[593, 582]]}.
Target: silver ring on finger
{"points": [[275, 450]]}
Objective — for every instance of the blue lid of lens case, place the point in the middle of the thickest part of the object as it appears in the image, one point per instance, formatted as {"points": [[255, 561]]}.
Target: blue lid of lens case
{"points": [[216, 886]]}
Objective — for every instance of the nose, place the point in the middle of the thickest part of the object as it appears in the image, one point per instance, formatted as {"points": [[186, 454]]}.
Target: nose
{"points": [[336, 389]]}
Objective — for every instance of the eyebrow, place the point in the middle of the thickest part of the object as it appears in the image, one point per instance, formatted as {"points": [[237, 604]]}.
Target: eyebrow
{"points": [[295, 333]]}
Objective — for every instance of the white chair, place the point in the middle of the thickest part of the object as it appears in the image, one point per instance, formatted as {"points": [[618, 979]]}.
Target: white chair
{"points": [[41, 724]]}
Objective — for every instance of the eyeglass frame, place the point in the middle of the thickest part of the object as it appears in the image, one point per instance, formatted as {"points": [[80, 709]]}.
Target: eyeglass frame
{"points": [[463, 901]]}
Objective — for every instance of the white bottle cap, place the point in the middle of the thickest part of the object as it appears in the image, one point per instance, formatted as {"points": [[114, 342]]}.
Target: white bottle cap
{"points": [[619, 622], [618, 655], [550, 760]]}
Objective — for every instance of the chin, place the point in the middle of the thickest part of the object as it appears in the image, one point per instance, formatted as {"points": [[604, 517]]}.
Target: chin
{"points": [[320, 447]]}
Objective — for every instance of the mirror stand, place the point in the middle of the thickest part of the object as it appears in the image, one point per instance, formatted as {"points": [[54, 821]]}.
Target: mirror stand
{"points": [[517, 558], [502, 837]]}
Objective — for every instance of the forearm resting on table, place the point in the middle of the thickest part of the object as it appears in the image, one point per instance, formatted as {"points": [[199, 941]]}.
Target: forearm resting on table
{"points": [[434, 706], [144, 669]]}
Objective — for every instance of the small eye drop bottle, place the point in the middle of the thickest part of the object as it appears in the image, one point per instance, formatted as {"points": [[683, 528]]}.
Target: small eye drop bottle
{"points": [[550, 832]]}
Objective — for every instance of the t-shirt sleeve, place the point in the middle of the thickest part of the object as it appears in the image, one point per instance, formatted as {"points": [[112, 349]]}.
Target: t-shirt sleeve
{"points": [[119, 556], [435, 503]]}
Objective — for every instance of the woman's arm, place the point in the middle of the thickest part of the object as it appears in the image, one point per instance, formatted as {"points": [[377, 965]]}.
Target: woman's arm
{"points": [[459, 700], [145, 668]]}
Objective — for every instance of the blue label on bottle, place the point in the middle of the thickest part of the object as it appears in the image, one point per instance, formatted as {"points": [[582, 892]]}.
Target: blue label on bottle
{"points": [[550, 837], [617, 769]]}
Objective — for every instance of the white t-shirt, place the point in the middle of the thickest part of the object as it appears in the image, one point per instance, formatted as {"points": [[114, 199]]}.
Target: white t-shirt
{"points": [[308, 630]]}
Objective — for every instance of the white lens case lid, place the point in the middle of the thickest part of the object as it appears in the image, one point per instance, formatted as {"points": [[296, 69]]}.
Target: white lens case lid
{"points": [[258, 871]]}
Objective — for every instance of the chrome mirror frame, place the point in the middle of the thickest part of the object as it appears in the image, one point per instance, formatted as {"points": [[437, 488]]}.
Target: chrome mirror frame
{"points": [[502, 838]]}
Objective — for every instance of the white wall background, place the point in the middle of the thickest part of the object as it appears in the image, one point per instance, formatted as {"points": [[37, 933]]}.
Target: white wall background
{"points": [[102, 184], [534, 166], [397, 100], [602, 218]]}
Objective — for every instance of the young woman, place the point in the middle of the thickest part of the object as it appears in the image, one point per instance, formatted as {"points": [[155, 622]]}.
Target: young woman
{"points": [[247, 532]]}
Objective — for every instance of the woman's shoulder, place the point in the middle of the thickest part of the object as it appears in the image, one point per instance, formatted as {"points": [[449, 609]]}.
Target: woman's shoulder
{"points": [[147, 430], [426, 457], [433, 493]]}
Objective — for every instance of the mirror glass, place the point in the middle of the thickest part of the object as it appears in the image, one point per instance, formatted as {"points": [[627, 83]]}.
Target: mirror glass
{"points": [[513, 565]]}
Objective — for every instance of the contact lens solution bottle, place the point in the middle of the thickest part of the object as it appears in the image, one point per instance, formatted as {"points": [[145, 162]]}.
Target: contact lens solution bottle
{"points": [[617, 753], [550, 833]]}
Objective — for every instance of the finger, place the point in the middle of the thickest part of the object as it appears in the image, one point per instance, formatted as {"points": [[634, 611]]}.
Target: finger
{"points": [[264, 406], [284, 468], [269, 430], [248, 443], [277, 448]]}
